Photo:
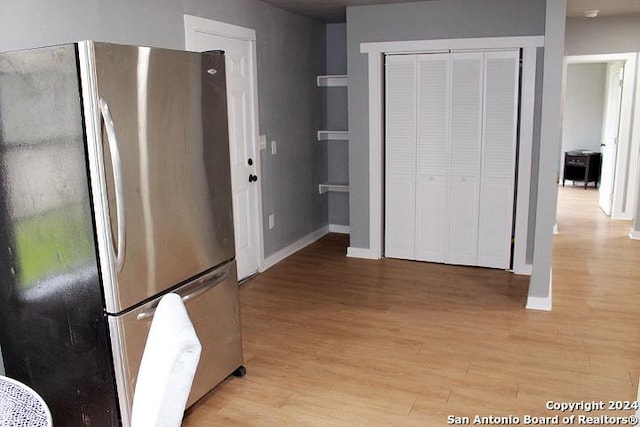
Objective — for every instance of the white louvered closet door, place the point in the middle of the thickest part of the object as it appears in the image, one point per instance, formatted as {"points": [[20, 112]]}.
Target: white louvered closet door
{"points": [[400, 154], [450, 150], [465, 155], [432, 201], [498, 158]]}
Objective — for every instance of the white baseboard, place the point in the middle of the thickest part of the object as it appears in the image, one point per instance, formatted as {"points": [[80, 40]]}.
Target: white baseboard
{"points": [[276, 257], [541, 303], [538, 303], [524, 270], [621, 215], [634, 234], [361, 253], [342, 229]]}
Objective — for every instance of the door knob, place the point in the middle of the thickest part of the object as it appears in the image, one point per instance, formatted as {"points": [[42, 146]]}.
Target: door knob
{"points": [[253, 178]]}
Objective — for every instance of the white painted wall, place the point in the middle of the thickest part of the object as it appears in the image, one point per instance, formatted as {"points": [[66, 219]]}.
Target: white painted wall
{"points": [[584, 108]]}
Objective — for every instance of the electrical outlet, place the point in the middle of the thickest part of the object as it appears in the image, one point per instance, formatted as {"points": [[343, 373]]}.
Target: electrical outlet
{"points": [[272, 221], [274, 150], [263, 142]]}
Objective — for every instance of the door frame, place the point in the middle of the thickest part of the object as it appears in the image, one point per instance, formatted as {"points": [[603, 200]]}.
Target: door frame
{"points": [[376, 52], [196, 24], [612, 110], [626, 164]]}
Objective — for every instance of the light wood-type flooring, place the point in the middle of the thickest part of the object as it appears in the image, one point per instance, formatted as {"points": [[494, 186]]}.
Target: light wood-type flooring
{"points": [[337, 341]]}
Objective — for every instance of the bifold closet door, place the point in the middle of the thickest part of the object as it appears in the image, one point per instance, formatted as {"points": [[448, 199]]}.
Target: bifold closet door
{"points": [[498, 158], [450, 156], [465, 155], [432, 157], [400, 154]]}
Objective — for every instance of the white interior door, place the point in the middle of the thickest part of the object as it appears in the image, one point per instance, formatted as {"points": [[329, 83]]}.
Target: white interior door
{"points": [[610, 134], [242, 102]]}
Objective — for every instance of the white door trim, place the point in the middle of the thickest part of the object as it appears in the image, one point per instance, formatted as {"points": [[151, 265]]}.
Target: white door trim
{"points": [[376, 52], [424, 46], [195, 24], [624, 185]]}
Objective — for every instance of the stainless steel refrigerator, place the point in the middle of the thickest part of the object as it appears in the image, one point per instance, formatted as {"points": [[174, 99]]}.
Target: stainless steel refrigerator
{"points": [[115, 190]]}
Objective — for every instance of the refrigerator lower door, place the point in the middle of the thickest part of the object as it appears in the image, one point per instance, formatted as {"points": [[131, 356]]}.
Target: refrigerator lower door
{"points": [[212, 303]]}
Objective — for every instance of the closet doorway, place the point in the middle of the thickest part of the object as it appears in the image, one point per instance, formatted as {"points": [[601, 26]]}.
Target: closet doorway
{"points": [[524, 210], [451, 123]]}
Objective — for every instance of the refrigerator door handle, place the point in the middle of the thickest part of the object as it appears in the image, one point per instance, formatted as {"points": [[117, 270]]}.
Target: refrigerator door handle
{"points": [[116, 164], [191, 291]]}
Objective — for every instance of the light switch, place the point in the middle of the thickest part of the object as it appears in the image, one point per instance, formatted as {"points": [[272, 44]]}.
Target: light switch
{"points": [[274, 150]]}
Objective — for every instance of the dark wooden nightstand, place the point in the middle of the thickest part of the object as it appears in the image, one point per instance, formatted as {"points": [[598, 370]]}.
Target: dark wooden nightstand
{"points": [[582, 165]]}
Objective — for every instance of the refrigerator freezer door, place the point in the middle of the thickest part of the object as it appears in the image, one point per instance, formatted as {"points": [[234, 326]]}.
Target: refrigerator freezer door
{"points": [[212, 303], [166, 167]]}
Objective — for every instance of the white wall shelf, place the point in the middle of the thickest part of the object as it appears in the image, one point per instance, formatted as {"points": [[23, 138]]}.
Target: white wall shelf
{"points": [[333, 186], [339, 81], [333, 135], [332, 81]]}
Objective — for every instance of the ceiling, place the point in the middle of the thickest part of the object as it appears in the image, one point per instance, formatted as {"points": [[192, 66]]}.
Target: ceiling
{"points": [[334, 10]]}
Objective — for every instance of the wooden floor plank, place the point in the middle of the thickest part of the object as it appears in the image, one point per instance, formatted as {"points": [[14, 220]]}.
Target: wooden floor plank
{"points": [[337, 341]]}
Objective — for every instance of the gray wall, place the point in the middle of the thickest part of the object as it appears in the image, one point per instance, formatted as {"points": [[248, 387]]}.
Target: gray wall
{"points": [[535, 157], [337, 119], [437, 19], [40, 22], [550, 134], [290, 50], [606, 34], [583, 107]]}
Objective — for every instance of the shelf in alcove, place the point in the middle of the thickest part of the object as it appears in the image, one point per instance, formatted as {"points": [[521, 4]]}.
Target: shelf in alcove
{"points": [[333, 186], [333, 135], [332, 80]]}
